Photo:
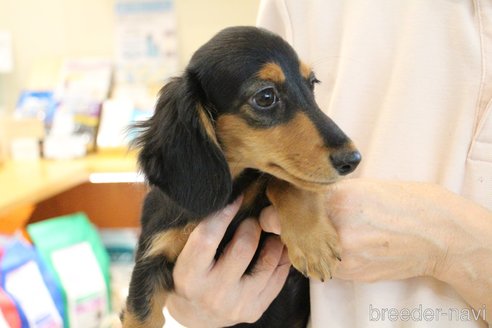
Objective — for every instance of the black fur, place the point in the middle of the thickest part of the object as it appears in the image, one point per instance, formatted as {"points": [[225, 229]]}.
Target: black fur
{"points": [[176, 152], [189, 175]]}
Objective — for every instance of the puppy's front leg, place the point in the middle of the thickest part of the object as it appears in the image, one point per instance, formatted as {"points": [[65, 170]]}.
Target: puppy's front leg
{"points": [[311, 239], [152, 277]]}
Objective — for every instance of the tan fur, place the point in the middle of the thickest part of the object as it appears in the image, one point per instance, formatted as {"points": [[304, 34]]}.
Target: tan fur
{"points": [[305, 70], [272, 72], [207, 124], [293, 151], [311, 239], [154, 320], [249, 195], [170, 242]]}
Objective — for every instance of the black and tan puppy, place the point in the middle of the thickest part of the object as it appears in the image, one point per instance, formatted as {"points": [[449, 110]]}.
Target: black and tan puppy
{"points": [[242, 119]]}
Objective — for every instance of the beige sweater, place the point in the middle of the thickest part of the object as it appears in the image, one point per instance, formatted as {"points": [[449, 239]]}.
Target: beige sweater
{"points": [[410, 81]]}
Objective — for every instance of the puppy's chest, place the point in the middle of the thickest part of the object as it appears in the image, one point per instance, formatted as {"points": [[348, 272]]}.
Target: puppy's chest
{"points": [[254, 201]]}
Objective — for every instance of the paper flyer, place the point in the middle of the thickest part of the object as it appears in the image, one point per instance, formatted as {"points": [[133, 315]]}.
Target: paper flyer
{"points": [[146, 42]]}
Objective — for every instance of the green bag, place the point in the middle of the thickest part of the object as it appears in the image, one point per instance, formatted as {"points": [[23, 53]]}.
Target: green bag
{"points": [[71, 247]]}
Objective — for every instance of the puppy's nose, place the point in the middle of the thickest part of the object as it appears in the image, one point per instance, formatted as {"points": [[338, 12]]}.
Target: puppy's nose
{"points": [[345, 162]]}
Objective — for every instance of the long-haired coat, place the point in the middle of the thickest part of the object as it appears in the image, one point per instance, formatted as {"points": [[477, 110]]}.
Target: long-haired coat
{"points": [[242, 119]]}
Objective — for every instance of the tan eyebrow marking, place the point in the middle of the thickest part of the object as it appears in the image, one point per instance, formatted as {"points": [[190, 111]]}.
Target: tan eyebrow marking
{"points": [[305, 70], [272, 72]]}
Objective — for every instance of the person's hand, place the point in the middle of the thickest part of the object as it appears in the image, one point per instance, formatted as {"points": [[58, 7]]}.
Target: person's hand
{"points": [[211, 293], [397, 230], [387, 230], [390, 230]]}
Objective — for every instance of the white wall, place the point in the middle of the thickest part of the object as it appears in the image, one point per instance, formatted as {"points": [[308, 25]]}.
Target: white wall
{"points": [[48, 30]]}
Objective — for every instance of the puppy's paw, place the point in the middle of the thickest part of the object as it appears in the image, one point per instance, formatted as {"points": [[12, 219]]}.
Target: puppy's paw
{"points": [[315, 253]]}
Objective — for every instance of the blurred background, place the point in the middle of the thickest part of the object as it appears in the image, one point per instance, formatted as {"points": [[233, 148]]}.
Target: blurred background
{"points": [[53, 30], [74, 74]]}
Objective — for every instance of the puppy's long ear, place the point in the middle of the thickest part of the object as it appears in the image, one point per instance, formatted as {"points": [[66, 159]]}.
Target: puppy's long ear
{"points": [[179, 150]]}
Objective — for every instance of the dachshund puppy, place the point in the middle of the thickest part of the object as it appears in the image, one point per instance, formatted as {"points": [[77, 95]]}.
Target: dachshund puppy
{"points": [[242, 119]]}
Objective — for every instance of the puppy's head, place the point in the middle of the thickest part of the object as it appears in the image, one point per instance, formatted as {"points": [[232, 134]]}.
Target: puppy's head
{"points": [[244, 101]]}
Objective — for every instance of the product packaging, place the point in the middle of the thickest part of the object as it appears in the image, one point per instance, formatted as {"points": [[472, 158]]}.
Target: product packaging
{"points": [[71, 247], [31, 286]]}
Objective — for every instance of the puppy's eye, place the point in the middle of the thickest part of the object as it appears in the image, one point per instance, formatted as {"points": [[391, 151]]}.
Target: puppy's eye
{"points": [[265, 98]]}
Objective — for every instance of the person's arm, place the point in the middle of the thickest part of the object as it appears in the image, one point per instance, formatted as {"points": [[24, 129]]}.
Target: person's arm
{"points": [[395, 230], [211, 293], [466, 264], [398, 230]]}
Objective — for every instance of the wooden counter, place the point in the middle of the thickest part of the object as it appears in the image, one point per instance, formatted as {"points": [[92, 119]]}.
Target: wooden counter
{"points": [[30, 183]]}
